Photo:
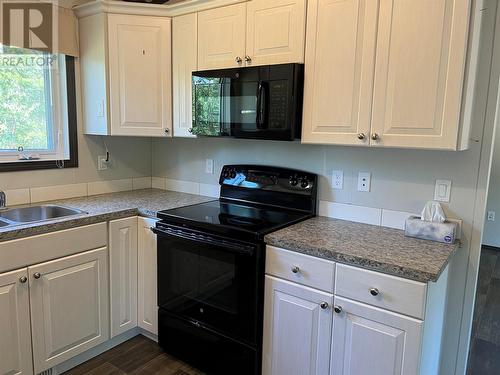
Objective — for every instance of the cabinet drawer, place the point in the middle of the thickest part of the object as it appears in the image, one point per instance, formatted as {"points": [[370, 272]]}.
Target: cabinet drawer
{"points": [[303, 269], [385, 291]]}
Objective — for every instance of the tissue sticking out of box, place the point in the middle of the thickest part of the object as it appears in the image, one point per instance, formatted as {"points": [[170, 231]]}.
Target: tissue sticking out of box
{"points": [[432, 225], [433, 212]]}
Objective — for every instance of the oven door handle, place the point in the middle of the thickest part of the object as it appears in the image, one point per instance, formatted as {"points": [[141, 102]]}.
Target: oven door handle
{"points": [[205, 239]]}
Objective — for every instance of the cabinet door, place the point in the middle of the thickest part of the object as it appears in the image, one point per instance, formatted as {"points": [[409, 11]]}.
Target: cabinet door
{"points": [[69, 301], [275, 31], [369, 340], [340, 52], [184, 62], [139, 75], [123, 274], [15, 338], [421, 49], [221, 37], [147, 296], [297, 330]]}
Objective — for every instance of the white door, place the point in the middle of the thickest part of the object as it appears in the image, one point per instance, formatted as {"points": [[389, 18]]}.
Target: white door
{"points": [[421, 50], [69, 300], [147, 296], [221, 37], [297, 329], [140, 75], [123, 274], [15, 328], [276, 31], [184, 62], [340, 52], [369, 340]]}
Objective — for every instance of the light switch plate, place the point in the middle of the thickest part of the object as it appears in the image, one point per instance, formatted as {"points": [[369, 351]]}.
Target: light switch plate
{"points": [[364, 181], [491, 215], [209, 166], [442, 191], [338, 179]]}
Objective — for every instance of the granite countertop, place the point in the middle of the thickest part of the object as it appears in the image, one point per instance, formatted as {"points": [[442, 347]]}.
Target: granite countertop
{"points": [[105, 207], [368, 246]]}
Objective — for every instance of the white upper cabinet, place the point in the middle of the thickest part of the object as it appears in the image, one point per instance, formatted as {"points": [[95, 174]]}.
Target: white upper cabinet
{"points": [[123, 274], [258, 32], [297, 329], [69, 303], [385, 73], [15, 338], [419, 73], [221, 37], [184, 62], [340, 53], [126, 75], [369, 340], [275, 31]]}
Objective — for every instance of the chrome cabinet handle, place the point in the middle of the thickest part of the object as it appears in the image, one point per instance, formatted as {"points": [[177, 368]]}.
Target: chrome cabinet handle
{"points": [[374, 292], [361, 136], [190, 130], [324, 305], [248, 59], [167, 131], [337, 309], [23, 279], [375, 137], [295, 269], [37, 275], [238, 60]]}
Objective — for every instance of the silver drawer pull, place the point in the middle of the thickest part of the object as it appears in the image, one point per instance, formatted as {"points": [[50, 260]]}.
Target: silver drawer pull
{"points": [[324, 305], [337, 309], [37, 275], [374, 292], [295, 269]]}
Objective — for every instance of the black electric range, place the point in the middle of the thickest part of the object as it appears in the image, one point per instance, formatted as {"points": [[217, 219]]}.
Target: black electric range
{"points": [[211, 263]]}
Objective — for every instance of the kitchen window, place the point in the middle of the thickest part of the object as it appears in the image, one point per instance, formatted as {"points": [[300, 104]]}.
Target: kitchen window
{"points": [[37, 110]]}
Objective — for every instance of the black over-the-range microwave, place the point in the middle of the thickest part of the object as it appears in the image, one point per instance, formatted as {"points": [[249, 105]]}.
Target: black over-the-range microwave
{"points": [[262, 102]]}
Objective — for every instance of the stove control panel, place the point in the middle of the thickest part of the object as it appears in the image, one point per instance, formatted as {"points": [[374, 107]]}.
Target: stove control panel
{"points": [[268, 178]]}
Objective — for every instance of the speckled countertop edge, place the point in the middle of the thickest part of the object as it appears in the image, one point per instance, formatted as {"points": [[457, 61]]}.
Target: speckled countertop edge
{"points": [[371, 247], [105, 207]]}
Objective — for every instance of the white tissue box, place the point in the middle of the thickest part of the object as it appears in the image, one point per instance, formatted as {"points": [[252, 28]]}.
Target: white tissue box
{"points": [[428, 230]]}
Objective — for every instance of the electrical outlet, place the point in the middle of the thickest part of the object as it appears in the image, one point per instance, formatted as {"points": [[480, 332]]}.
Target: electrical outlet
{"points": [[364, 181], [338, 179], [102, 164], [209, 166], [491, 215]]}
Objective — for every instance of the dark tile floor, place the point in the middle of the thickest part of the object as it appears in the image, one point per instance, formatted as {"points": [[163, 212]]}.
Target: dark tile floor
{"points": [[484, 357], [138, 356]]}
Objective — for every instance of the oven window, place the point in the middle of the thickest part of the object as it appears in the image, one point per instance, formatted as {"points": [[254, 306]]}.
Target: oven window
{"points": [[209, 284]]}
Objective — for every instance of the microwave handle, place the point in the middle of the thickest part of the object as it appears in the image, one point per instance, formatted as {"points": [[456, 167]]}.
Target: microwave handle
{"points": [[261, 105]]}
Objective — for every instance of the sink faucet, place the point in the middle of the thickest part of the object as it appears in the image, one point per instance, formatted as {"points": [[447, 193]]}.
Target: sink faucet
{"points": [[3, 200]]}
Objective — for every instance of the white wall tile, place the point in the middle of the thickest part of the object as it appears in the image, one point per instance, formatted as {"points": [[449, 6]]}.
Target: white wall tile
{"points": [[158, 183], [141, 183], [49, 193], [183, 186], [112, 186], [394, 219], [210, 190], [17, 196], [359, 214]]}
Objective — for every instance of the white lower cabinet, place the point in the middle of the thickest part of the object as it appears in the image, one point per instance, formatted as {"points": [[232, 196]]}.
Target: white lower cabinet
{"points": [[370, 340], [146, 282], [123, 274], [69, 307], [15, 338], [297, 329]]}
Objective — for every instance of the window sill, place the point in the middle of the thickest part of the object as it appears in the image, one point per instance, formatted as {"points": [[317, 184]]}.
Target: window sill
{"points": [[36, 165]]}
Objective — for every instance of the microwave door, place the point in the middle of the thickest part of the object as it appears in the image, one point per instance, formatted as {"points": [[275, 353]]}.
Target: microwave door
{"points": [[211, 106]]}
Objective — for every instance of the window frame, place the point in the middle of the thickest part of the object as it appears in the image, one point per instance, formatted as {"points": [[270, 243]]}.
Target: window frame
{"points": [[72, 162]]}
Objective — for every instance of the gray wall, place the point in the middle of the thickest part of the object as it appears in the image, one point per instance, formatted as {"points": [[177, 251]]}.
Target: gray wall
{"points": [[491, 234]]}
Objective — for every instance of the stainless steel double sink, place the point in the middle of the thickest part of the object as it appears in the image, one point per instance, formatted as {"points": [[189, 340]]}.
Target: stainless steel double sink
{"points": [[32, 214]]}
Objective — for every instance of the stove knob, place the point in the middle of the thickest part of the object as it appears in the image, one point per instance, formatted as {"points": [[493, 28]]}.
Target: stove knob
{"points": [[225, 173], [232, 174], [304, 183], [294, 181]]}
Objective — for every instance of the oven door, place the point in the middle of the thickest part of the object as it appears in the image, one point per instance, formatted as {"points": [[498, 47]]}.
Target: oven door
{"points": [[209, 280]]}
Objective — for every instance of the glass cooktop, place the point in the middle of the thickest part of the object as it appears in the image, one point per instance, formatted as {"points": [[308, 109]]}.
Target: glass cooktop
{"points": [[230, 216]]}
